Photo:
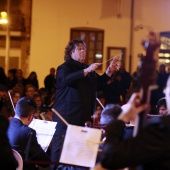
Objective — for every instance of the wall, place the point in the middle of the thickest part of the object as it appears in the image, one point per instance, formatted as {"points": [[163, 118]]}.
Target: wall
{"points": [[52, 20]]}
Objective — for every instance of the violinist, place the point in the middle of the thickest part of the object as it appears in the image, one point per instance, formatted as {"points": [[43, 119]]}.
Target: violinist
{"points": [[150, 148], [76, 89], [22, 138]]}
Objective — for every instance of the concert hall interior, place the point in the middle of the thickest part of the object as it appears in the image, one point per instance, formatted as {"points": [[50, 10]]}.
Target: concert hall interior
{"points": [[40, 29], [111, 34]]}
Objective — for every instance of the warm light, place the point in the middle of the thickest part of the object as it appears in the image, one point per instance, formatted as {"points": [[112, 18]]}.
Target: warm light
{"points": [[166, 54], [98, 55], [161, 54], [167, 61], [3, 18]]}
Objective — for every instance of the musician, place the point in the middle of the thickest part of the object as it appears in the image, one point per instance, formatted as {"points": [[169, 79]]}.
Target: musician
{"points": [[150, 148], [162, 107], [76, 89], [23, 138]]}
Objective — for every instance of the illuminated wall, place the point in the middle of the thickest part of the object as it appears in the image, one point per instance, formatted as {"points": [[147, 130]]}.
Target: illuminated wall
{"points": [[52, 20]]}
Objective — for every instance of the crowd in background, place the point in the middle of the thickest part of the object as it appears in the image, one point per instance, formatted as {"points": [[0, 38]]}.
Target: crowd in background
{"points": [[117, 91], [14, 86]]}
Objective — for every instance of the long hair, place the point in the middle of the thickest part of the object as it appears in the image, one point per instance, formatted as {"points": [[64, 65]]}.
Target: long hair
{"points": [[71, 46]]}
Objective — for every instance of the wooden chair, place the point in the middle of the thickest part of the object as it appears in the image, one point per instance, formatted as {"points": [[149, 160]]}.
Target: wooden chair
{"points": [[19, 160]]}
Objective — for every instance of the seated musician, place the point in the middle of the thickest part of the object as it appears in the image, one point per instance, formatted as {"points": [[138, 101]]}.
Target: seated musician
{"points": [[23, 138], [149, 149], [162, 107], [108, 115]]}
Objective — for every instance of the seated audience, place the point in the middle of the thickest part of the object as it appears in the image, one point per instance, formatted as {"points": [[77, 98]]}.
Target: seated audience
{"points": [[20, 78], [29, 91], [11, 79], [6, 106], [15, 95], [44, 113], [50, 81], [32, 79], [23, 138], [3, 76]]}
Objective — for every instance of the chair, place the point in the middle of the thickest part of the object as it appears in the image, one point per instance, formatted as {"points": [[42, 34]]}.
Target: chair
{"points": [[19, 160]]}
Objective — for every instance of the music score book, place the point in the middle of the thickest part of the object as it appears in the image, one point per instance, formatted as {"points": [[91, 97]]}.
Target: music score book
{"points": [[80, 146], [44, 131]]}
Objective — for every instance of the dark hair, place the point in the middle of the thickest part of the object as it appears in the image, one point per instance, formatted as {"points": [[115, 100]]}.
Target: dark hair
{"points": [[14, 91], [161, 102], [71, 46], [28, 86], [24, 106], [110, 113], [32, 73]]}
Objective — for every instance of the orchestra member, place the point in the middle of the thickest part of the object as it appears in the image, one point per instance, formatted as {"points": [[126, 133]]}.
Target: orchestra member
{"points": [[150, 149], [23, 138]]}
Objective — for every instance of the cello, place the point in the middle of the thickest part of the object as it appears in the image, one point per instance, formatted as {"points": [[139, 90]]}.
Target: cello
{"points": [[147, 76]]}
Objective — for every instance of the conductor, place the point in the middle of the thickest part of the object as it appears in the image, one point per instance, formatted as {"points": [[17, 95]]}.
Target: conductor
{"points": [[76, 89]]}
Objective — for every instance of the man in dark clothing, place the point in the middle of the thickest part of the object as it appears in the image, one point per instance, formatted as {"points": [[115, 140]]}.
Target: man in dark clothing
{"points": [[23, 138], [50, 81], [76, 90]]}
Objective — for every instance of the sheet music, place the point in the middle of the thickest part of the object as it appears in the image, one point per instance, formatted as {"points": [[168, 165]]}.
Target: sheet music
{"points": [[44, 131], [80, 146]]}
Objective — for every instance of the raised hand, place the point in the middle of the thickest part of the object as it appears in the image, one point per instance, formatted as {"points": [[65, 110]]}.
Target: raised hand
{"points": [[91, 68], [113, 67]]}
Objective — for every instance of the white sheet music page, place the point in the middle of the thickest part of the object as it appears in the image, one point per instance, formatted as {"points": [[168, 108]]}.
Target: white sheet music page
{"points": [[44, 131], [80, 146]]}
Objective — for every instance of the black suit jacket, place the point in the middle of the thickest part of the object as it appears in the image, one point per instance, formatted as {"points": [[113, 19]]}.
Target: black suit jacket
{"points": [[75, 93], [19, 135], [150, 148]]}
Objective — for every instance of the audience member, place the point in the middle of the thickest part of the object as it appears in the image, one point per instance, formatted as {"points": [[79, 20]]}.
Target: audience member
{"points": [[29, 91], [15, 95], [112, 90], [11, 79], [23, 138], [3, 77], [6, 106], [20, 78], [125, 80], [50, 81], [32, 79], [44, 113], [44, 96]]}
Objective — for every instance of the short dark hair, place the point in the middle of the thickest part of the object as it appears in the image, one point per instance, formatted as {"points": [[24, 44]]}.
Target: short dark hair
{"points": [[71, 46], [161, 102], [110, 113], [24, 106]]}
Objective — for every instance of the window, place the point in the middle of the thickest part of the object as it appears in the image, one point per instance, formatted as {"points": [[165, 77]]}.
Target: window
{"points": [[164, 52], [94, 40]]}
